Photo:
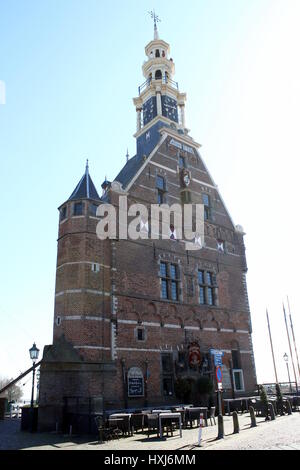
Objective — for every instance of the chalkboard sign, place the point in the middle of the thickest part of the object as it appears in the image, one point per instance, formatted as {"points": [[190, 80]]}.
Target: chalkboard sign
{"points": [[135, 382]]}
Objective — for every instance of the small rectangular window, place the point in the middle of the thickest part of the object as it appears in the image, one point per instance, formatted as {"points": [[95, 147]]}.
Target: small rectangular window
{"points": [[160, 197], [201, 277], [167, 362], [182, 163], [206, 200], [164, 289], [63, 213], [238, 380], [186, 197], [140, 334], [173, 271], [174, 290], [160, 183], [78, 208], [210, 298], [202, 295], [93, 209], [163, 269]]}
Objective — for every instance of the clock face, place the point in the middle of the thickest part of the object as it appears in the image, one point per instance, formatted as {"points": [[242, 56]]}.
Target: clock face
{"points": [[169, 108], [186, 179], [149, 110]]}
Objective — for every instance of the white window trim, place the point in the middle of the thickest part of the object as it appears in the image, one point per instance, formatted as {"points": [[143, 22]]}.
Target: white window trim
{"points": [[242, 380]]}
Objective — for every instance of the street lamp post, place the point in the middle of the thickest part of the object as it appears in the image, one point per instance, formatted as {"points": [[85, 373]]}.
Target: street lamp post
{"points": [[34, 354], [286, 359]]}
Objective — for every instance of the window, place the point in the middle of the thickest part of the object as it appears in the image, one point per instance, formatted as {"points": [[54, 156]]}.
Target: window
{"points": [[161, 189], [160, 183], [167, 373], [186, 197], [93, 209], [168, 386], [182, 162], [238, 380], [158, 75], [167, 362], [157, 54], [95, 267], [207, 206], [63, 213], [78, 208], [169, 281], [236, 361], [207, 288], [140, 334]]}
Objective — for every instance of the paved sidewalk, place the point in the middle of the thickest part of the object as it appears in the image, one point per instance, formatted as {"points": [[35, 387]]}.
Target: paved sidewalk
{"points": [[284, 431]]}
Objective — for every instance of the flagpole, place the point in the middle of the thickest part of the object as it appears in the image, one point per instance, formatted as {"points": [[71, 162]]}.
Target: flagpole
{"points": [[291, 353], [292, 328], [272, 347]]}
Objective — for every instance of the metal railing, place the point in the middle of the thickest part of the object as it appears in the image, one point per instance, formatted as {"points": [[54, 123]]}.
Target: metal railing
{"points": [[164, 80]]}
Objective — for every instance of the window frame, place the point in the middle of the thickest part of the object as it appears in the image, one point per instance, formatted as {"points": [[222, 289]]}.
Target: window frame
{"points": [[240, 372]]}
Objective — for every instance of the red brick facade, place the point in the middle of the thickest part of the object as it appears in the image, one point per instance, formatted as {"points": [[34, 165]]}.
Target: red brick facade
{"points": [[107, 290]]}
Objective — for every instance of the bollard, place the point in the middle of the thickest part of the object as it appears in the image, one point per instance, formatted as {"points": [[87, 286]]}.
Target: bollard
{"points": [[200, 429], [220, 427], [252, 416], [272, 413], [236, 426]]}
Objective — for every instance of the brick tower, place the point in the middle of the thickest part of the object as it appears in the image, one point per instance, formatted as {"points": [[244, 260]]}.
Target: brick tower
{"points": [[135, 316]]}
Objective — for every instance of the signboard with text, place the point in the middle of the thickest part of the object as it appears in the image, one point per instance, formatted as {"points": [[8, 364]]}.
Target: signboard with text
{"points": [[135, 382]]}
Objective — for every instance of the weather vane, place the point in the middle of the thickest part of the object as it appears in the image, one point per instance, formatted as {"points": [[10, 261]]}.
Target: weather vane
{"points": [[154, 17]]}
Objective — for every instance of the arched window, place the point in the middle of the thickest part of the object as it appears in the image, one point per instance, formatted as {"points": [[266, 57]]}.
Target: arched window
{"points": [[157, 54], [158, 75]]}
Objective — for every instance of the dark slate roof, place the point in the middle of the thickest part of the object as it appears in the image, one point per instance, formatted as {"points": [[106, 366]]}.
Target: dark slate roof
{"points": [[129, 170], [85, 188]]}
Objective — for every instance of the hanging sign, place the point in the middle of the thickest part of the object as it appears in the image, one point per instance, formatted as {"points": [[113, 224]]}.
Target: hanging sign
{"points": [[194, 355]]}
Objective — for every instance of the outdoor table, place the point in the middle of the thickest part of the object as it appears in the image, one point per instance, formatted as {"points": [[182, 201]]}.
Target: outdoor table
{"points": [[119, 418], [160, 411], [169, 416]]}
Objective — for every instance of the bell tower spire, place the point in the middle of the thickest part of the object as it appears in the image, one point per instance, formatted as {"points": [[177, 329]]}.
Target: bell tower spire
{"points": [[156, 20], [160, 103]]}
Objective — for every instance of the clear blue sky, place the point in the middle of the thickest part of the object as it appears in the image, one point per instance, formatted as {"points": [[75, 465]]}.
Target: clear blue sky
{"points": [[71, 69]]}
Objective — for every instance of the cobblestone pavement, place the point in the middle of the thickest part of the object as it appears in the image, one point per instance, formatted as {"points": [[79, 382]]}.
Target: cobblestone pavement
{"points": [[281, 434]]}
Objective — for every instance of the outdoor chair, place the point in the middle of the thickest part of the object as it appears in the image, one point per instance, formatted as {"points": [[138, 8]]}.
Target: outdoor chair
{"points": [[152, 423], [193, 414], [212, 413], [137, 422], [106, 433]]}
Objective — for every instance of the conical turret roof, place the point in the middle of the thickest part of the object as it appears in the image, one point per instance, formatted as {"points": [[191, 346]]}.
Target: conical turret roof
{"points": [[85, 189]]}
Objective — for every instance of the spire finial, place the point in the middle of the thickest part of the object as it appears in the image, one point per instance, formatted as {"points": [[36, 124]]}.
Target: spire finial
{"points": [[127, 156], [87, 166], [156, 19]]}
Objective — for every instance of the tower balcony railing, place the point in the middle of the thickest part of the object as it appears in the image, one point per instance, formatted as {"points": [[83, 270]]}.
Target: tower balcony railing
{"points": [[163, 80]]}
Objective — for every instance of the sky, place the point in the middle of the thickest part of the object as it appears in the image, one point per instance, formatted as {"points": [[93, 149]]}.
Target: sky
{"points": [[71, 69]]}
